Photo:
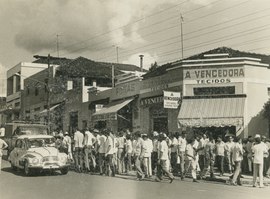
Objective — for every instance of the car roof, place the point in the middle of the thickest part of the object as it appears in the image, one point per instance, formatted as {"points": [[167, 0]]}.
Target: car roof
{"points": [[34, 136]]}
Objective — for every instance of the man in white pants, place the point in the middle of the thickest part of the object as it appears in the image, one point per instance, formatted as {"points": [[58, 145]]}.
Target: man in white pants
{"points": [[147, 150], [3, 145], [258, 150]]}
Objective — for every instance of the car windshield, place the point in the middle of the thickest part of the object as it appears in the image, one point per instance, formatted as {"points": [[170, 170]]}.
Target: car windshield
{"points": [[41, 142]]}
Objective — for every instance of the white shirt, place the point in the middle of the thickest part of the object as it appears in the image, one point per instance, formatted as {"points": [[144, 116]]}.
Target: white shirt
{"points": [[102, 146], [237, 152], [258, 151], [190, 153], [109, 143], [2, 132], [3, 144], [129, 147], [164, 149], [174, 145], [148, 148], [182, 143], [88, 138], [78, 138]]}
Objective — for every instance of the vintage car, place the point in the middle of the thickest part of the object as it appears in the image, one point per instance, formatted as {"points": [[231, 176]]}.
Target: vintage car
{"points": [[36, 153]]}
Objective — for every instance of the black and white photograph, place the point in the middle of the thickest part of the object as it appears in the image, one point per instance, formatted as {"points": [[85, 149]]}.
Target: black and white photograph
{"points": [[134, 99]]}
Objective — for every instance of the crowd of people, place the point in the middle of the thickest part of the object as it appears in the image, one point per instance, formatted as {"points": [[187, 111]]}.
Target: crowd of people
{"points": [[161, 154]]}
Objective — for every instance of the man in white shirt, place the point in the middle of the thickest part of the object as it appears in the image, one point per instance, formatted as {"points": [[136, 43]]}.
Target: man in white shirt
{"points": [[174, 148], [182, 143], [228, 153], [121, 141], [128, 152], [88, 144], [147, 150], [2, 131], [154, 156], [258, 150], [67, 145], [3, 145], [78, 152], [138, 154], [109, 152], [163, 159], [191, 159], [101, 152], [220, 152]]}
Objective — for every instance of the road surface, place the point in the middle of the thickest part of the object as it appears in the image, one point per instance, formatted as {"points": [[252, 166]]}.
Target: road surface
{"points": [[14, 185]]}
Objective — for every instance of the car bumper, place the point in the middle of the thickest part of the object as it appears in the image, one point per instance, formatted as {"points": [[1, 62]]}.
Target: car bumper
{"points": [[49, 167]]}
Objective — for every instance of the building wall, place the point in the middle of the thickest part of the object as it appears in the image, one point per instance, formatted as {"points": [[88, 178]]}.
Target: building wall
{"points": [[257, 84]]}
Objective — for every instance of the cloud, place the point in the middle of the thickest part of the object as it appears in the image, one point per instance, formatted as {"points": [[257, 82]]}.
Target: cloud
{"points": [[148, 59], [37, 22]]}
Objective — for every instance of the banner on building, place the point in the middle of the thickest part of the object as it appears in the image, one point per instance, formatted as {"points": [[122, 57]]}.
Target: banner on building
{"points": [[171, 99]]}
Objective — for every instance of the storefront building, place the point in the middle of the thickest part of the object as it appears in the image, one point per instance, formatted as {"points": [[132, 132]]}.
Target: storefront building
{"points": [[153, 115], [224, 95]]}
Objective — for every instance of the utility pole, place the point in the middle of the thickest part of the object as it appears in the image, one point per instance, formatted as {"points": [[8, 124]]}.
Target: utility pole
{"points": [[57, 44], [182, 39], [48, 96], [112, 75], [117, 60]]}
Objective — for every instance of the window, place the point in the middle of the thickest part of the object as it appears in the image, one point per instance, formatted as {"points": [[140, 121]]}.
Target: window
{"points": [[268, 91], [226, 90], [37, 109], [69, 85], [36, 91], [27, 91], [17, 104]]}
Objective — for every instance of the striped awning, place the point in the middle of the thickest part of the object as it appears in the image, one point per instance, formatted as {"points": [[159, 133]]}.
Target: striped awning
{"points": [[110, 112], [206, 112]]}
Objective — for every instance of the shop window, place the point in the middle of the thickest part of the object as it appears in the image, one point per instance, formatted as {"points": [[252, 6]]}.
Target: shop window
{"points": [[226, 90], [37, 109]]}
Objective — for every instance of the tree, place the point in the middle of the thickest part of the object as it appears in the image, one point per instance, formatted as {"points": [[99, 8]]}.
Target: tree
{"points": [[266, 113], [153, 67]]}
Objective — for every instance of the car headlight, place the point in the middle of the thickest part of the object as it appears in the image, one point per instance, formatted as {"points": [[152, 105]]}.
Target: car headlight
{"points": [[35, 161]]}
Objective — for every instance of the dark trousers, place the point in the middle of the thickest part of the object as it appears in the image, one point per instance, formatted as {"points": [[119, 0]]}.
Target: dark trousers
{"points": [[201, 162], [101, 162], [174, 162], [154, 158], [110, 164], [78, 156], [220, 163]]}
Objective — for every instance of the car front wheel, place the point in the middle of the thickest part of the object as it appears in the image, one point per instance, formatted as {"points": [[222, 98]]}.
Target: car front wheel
{"points": [[27, 171], [64, 171]]}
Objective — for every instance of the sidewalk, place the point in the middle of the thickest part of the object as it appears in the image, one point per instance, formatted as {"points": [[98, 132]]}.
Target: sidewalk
{"points": [[247, 180]]}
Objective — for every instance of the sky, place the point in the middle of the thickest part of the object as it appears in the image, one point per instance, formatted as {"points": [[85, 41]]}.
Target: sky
{"points": [[97, 29]]}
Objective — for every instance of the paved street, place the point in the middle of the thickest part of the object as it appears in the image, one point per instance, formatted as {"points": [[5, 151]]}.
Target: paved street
{"points": [[79, 186]]}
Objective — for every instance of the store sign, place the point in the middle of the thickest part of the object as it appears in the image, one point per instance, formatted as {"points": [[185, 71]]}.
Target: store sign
{"points": [[99, 107], [104, 117], [171, 99], [214, 75], [151, 100]]}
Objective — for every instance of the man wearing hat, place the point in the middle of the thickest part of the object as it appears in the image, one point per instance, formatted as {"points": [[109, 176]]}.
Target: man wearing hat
{"points": [[163, 159], [138, 152], [258, 150], [154, 156], [182, 143], [147, 150]]}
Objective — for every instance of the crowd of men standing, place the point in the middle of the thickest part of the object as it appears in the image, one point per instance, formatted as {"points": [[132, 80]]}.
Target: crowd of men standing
{"points": [[170, 155]]}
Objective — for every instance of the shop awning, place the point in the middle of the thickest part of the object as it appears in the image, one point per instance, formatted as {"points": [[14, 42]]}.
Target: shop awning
{"points": [[45, 111], [110, 112], [208, 112]]}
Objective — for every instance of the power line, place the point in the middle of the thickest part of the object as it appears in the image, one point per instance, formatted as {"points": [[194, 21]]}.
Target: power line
{"points": [[159, 22]]}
